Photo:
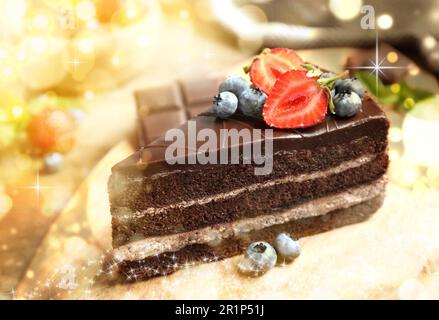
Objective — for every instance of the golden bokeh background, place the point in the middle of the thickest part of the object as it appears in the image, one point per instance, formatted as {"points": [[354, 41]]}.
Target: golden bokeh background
{"points": [[82, 59]]}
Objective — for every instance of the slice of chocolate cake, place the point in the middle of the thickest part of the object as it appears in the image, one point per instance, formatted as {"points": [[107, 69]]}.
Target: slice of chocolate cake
{"points": [[194, 211], [206, 190]]}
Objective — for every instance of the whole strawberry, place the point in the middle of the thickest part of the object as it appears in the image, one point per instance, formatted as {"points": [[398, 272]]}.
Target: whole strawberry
{"points": [[52, 131]]}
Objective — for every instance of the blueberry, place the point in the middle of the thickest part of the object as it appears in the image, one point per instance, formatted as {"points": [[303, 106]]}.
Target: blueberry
{"points": [[78, 115], [259, 257], [346, 104], [348, 85], [234, 84], [251, 102], [286, 246], [53, 162], [225, 104]]}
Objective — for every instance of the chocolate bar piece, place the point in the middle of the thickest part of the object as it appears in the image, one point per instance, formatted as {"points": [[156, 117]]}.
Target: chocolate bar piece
{"points": [[159, 109], [198, 93], [166, 106]]}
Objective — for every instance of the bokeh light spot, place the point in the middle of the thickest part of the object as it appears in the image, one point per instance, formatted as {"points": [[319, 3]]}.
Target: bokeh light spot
{"points": [[385, 21], [184, 14], [395, 88], [5, 204], [41, 22], [392, 57], [30, 274], [85, 10], [395, 134], [345, 9], [409, 103], [429, 42]]}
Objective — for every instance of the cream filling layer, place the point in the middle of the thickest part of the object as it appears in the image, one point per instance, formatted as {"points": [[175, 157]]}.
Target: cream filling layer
{"points": [[346, 165], [214, 234]]}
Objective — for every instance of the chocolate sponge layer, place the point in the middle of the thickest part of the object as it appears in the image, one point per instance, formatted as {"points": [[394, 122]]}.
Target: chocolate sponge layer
{"points": [[169, 262], [128, 228], [141, 192]]}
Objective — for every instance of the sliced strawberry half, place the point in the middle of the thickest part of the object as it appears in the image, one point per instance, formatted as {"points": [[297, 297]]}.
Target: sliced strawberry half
{"points": [[296, 101], [267, 67]]}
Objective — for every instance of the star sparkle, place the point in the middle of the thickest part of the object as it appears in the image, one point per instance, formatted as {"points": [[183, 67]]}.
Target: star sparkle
{"points": [[76, 62], [37, 187], [377, 65]]}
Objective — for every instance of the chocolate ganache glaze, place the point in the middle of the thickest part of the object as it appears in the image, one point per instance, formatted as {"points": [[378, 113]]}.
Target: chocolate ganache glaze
{"points": [[370, 121]]}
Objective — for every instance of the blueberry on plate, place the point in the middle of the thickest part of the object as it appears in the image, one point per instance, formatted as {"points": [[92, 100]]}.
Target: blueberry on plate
{"points": [[234, 84], [78, 115], [53, 162], [225, 104], [287, 247], [251, 102], [259, 257], [347, 85], [346, 104]]}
